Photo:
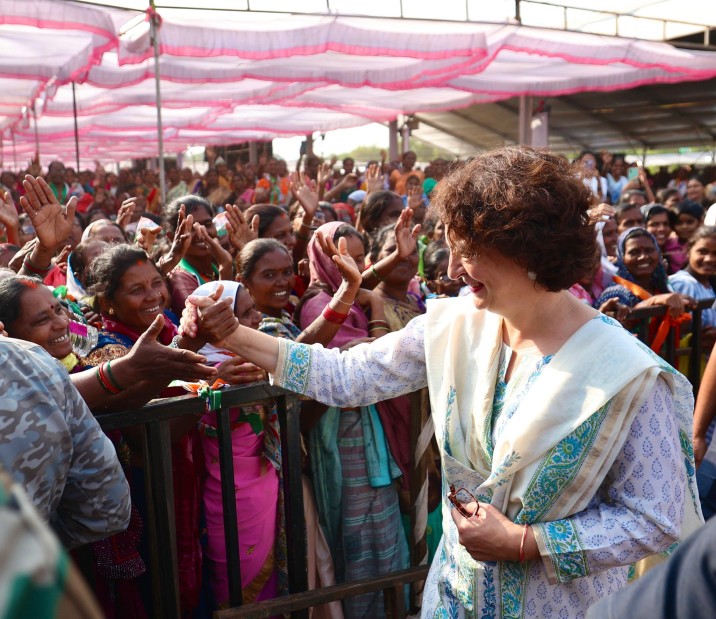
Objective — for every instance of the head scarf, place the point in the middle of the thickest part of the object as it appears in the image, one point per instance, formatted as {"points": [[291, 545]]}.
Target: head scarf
{"points": [[324, 271], [214, 355], [658, 279], [342, 207]]}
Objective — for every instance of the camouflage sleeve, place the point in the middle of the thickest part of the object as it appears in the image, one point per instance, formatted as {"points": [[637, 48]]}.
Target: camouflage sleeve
{"points": [[95, 502]]}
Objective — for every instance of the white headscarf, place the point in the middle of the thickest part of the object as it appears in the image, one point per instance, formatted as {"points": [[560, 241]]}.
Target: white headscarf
{"points": [[214, 355]]}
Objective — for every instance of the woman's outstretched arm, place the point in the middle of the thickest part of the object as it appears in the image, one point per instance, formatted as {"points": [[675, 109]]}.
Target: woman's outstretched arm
{"points": [[390, 366]]}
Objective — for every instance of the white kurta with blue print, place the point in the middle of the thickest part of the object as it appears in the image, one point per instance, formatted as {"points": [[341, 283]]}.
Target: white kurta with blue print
{"points": [[638, 510]]}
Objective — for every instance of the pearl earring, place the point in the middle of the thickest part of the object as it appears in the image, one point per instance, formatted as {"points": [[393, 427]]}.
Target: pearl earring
{"points": [[532, 275]]}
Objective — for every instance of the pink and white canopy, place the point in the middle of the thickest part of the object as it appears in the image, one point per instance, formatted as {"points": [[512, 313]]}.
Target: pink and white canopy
{"points": [[235, 76]]}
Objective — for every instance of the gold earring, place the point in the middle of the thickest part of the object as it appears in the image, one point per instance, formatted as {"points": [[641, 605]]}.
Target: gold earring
{"points": [[111, 311]]}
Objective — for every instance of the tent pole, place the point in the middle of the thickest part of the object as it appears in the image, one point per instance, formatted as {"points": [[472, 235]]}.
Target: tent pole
{"points": [[525, 121], [77, 134], [154, 29], [14, 152], [37, 137], [393, 140]]}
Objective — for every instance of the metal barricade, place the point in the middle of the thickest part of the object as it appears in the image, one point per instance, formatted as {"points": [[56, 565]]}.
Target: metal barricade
{"points": [[156, 447], [672, 351]]}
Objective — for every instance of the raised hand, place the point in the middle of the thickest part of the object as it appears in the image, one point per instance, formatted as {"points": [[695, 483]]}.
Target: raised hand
{"points": [[344, 261], [180, 242], [325, 171], [61, 260], [406, 238], [601, 212], [146, 237], [415, 197], [124, 215], [374, 180], [52, 221], [305, 194], [223, 258], [8, 215], [240, 231]]}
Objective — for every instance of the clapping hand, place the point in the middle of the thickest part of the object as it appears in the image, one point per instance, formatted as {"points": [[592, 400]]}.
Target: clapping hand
{"points": [[240, 231]]}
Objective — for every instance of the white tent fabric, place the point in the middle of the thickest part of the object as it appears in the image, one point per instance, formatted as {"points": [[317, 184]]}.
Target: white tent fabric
{"points": [[228, 77]]}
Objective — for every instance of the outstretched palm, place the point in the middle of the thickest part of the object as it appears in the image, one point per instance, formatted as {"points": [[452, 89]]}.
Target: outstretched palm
{"points": [[52, 221]]}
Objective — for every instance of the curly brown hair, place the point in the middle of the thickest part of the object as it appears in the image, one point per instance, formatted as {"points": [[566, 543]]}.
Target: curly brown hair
{"points": [[526, 204]]}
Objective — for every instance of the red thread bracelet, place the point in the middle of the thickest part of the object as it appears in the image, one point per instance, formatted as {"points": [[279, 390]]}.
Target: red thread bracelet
{"points": [[333, 316], [522, 544]]}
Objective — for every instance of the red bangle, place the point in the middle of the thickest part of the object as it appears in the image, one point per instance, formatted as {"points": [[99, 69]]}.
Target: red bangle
{"points": [[522, 544], [333, 316], [104, 380]]}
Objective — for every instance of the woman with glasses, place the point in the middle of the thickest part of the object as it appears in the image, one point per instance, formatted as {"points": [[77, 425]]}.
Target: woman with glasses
{"points": [[572, 438]]}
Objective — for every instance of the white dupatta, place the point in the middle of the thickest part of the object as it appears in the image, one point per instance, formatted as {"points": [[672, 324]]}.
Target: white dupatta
{"points": [[598, 379]]}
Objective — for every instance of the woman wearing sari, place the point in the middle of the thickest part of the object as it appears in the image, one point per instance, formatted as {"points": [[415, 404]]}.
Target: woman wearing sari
{"points": [[257, 461], [353, 470], [129, 293], [401, 305], [565, 444], [641, 281]]}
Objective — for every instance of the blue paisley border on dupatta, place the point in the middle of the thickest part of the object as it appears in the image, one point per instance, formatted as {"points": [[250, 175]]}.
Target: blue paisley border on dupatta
{"points": [[559, 466], [296, 367]]}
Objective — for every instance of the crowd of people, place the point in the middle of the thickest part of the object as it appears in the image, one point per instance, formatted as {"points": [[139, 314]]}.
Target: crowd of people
{"points": [[335, 281]]}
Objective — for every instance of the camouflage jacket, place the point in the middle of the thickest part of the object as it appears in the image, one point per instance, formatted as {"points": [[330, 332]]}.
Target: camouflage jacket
{"points": [[53, 446]]}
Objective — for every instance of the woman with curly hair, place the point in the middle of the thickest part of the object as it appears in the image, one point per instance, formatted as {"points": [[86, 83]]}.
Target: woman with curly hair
{"points": [[547, 414]]}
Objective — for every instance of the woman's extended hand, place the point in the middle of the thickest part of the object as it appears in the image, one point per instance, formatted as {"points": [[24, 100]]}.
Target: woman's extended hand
{"points": [[489, 535], [613, 308], [675, 303], [150, 358], [209, 318], [236, 371], [52, 222]]}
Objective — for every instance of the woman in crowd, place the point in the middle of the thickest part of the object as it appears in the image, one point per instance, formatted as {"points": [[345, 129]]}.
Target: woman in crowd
{"points": [[688, 216], [698, 278], [696, 191], [379, 209], [353, 470], [257, 462], [658, 220], [266, 269], [555, 502], [202, 257], [435, 271], [641, 279], [587, 166], [129, 294]]}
